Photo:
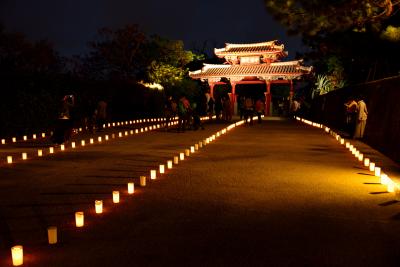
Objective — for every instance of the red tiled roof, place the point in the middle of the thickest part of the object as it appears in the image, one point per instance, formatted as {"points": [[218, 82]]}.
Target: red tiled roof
{"points": [[257, 48], [292, 68]]}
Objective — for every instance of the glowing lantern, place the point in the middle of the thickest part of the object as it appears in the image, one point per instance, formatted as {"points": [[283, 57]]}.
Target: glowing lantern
{"points": [[200, 144], [131, 132], [342, 141], [153, 174], [17, 254], [112, 136], [40, 153], [51, 150], [34, 136], [79, 219], [83, 143], [377, 171], [361, 157], [141, 130], [371, 166], [3, 141], [9, 159], [43, 135], [115, 195], [52, 235], [366, 162], [150, 128], [145, 129], [384, 179], [73, 144], [24, 156], [357, 153], [169, 164], [119, 134], [176, 159], [98, 206], [137, 131], [162, 168], [14, 139], [187, 152], [126, 133], [391, 186], [181, 156], [91, 140], [25, 137], [106, 137], [99, 139], [131, 188], [62, 147], [142, 180]]}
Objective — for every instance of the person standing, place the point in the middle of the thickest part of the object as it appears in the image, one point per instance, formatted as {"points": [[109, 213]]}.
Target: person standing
{"points": [[351, 115], [362, 114], [101, 114], [259, 109]]}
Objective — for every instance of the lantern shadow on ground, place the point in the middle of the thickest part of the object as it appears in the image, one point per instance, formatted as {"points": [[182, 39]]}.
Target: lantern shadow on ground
{"points": [[373, 183], [367, 174], [378, 193], [388, 203]]}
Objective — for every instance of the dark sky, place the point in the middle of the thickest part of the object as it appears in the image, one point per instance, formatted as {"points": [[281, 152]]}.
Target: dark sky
{"points": [[70, 24]]}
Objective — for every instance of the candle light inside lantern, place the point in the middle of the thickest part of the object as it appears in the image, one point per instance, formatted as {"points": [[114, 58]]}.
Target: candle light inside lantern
{"points": [[200, 144], [24, 156], [187, 152], [142, 180], [43, 135], [347, 144], [3, 141], [62, 147], [40, 152], [17, 254], [9, 159], [153, 174], [371, 166], [73, 144], [192, 149], [106, 137], [361, 157], [25, 137], [79, 219], [98, 206], [131, 188], [196, 147], [390, 186], [34, 136], [162, 168], [126, 133], [176, 159], [120, 134], [169, 164], [51, 150], [181, 156], [136, 131], [366, 162], [384, 179], [91, 140], [14, 139], [99, 139], [377, 171], [52, 235], [115, 195], [357, 153], [83, 143]]}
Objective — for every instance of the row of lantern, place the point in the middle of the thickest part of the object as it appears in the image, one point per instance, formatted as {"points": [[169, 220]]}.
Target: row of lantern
{"points": [[391, 186], [52, 235], [108, 125], [100, 139]]}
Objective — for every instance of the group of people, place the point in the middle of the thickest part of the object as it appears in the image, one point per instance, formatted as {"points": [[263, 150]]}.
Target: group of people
{"points": [[221, 106], [356, 116], [248, 107], [67, 118]]}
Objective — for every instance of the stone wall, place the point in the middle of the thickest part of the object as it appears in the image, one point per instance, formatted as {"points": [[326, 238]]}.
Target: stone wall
{"points": [[383, 102]]}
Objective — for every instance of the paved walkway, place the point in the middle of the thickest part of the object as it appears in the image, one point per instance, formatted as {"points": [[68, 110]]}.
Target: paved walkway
{"points": [[276, 194]]}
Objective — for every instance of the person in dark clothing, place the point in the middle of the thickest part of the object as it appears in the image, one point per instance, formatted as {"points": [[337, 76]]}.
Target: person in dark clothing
{"points": [[64, 126]]}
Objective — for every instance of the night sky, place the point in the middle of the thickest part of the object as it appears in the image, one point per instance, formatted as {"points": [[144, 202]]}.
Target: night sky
{"points": [[70, 24]]}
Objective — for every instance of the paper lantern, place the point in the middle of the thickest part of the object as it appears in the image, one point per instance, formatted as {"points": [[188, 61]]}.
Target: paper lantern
{"points": [[142, 180], [115, 195], [106, 137], [3, 141], [169, 164], [14, 139], [112, 136], [9, 159], [131, 132], [51, 150], [145, 129], [98, 206], [176, 159], [91, 141], [40, 152], [342, 141], [153, 174], [34, 136], [187, 152], [83, 143], [126, 133], [371, 166], [136, 131], [131, 188], [25, 137], [24, 156], [366, 162], [62, 147], [99, 139], [200, 144], [17, 254], [52, 235], [120, 134], [181, 156], [384, 179], [162, 168], [361, 157], [377, 171], [192, 149], [357, 153], [391, 186], [43, 135], [79, 219]]}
